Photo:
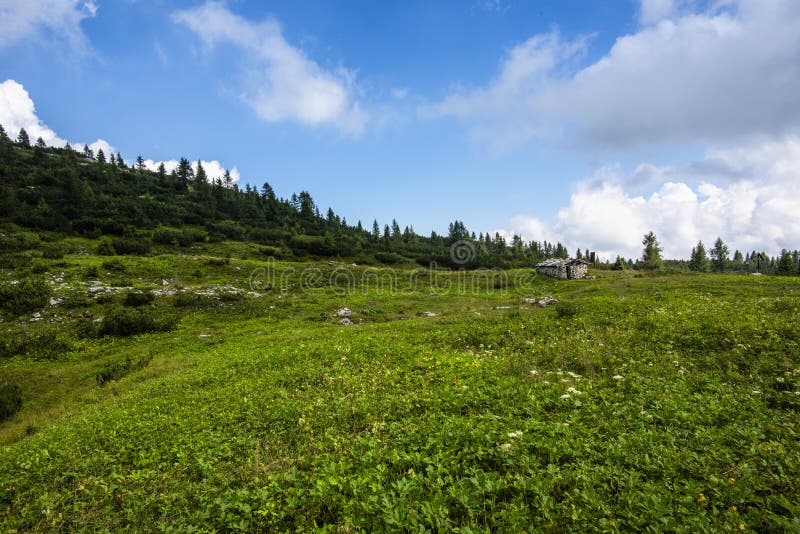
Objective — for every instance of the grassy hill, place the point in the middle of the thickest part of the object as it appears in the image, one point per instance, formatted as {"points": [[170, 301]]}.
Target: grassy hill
{"points": [[211, 388]]}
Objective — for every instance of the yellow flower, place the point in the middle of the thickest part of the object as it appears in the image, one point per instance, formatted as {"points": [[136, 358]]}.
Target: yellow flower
{"points": [[741, 526], [731, 480], [701, 498], [733, 508]]}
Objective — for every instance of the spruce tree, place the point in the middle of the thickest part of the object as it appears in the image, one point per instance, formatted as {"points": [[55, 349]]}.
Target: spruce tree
{"points": [[22, 139], [719, 255], [699, 259], [651, 255]]}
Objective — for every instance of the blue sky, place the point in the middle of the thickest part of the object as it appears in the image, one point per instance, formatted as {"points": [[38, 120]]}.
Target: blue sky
{"points": [[589, 122]]}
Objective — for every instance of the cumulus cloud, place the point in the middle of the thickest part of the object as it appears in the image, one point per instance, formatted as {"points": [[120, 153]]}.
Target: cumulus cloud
{"points": [[755, 211], [279, 82], [214, 168], [18, 111], [32, 21], [718, 76]]}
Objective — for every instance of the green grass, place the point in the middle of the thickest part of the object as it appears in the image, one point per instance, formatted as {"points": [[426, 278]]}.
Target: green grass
{"points": [[661, 403]]}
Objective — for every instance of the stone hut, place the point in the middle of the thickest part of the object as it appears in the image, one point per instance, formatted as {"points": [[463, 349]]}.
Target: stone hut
{"points": [[569, 269]]}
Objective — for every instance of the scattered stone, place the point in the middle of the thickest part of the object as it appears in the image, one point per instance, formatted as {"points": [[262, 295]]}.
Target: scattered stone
{"points": [[346, 322], [55, 302], [344, 312], [164, 282], [36, 317], [502, 307], [541, 302], [203, 336], [430, 314]]}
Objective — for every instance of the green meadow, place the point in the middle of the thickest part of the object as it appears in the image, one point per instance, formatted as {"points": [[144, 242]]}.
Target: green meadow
{"points": [[232, 397]]}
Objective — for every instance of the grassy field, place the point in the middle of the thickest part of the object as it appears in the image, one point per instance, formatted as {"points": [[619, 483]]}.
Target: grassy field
{"points": [[660, 403]]}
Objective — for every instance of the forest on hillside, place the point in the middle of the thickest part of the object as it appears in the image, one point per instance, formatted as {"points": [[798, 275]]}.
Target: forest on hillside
{"points": [[79, 192]]}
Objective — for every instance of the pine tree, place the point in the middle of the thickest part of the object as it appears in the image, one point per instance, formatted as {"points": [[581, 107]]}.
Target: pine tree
{"points": [[88, 152], [786, 266], [22, 139], [698, 261], [619, 264], [140, 163], [101, 157], [719, 255], [40, 143], [120, 161], [3, 134], [651, 256]]}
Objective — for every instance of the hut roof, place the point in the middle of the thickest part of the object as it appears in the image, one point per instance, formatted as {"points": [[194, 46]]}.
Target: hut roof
{"points": [[558, 262]]}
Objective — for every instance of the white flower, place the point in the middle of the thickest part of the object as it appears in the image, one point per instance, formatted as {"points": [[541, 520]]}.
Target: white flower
{"points": [[534, 372], [756, 392], [780, 379], [573, 375], [565, 396], [617, 377], [573, 390], [515, 435], [505, 447]]}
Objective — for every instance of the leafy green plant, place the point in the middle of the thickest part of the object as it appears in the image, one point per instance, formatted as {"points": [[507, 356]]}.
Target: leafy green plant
{"points": [[116, 370], [27, 295], [129, 322], [10, 400], [138, 298]]}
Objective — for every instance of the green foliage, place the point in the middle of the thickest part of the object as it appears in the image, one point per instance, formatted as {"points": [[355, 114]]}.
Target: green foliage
{"points": [[699, 260], [719, 256], [117, 369], [129, 322], [106, 248], [566, 309], [174, 237], [651, 256], [54, 251], [27, 295], [18, 241], [10, 400], [138, 298], [115, 266], [48, 345], [132, 245]]}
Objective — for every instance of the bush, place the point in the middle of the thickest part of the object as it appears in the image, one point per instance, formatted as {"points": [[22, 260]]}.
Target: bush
{"points": [[138, 298], [54, 252], [172, 236], [39, 267], [116, 370], [184, 300], [48, 345], [132, 245], [228, 229], [106, 248], [19, 241], [10, 400], [389, 258], [114, 265], [27, 295], [126, 322], [566, 309]]}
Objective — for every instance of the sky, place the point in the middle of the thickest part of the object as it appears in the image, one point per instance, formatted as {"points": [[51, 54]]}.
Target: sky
{"points": [[589, 123]]}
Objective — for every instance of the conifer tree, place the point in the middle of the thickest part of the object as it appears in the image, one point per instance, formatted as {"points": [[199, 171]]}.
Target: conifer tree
{"points": [[22, 139]]}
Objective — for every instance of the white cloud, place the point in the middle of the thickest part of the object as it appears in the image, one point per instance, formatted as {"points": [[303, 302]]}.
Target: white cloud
{"points": [[717, 76], [280, 81], [214, 168], [756, 211], [32, 21], [18, 111]]}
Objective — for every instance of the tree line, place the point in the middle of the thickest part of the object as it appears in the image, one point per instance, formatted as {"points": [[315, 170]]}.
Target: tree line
{"points": [[94, 194]]}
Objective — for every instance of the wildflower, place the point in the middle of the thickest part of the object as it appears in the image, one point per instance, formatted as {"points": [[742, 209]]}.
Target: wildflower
{"points": [[731, 480], [756, 392], [505, 447], [617, 377], [779, 379], [565, 396], [741, 526], [514, 435], [701, 498], [733, 508], [573, 375], [573, 390], [534, 372]]}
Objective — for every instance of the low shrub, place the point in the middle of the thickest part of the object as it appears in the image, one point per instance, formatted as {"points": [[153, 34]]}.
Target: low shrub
{"points": [[116, 370], [126, 322], [131, 245], [389, 258], [566, 309], [173, 236], [10, 400], [114, 265], [106, 248], [138, 298], [47, 345], [27, 295], [54, 251]]}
